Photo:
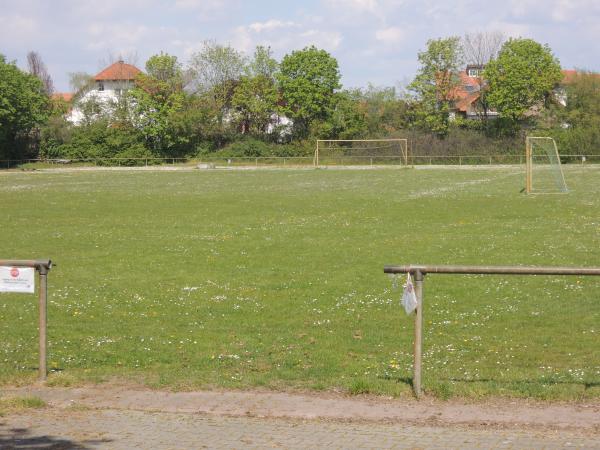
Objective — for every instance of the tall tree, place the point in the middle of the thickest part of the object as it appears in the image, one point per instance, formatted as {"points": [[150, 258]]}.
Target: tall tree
{"points": [[254, 102], [80, 82], [482, 47], [215, 69], [37, 68], [158, 96], [582, 100], [308, 79], [435, 81], [385, 112], [255, 95], [23, 106], [165, 67], [263, 63], [523, 76]]}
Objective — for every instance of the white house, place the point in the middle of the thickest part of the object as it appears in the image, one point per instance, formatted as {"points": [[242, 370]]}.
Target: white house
{"points": [[107, 88]]}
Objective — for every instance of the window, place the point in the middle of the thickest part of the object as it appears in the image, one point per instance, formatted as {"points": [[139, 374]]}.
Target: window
{"points": [[100, 85], [474, 72]]}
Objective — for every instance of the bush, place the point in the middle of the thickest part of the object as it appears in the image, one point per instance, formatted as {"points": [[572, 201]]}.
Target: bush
{"points": [[98, 140], [247, 147], [136, 155]]}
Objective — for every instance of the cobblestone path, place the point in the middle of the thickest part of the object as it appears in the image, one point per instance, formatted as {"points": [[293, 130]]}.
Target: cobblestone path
{"points": [[125, 429]]}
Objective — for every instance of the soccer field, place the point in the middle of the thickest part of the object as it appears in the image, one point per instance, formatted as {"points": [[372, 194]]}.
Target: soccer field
{"points": [[274, 278]]}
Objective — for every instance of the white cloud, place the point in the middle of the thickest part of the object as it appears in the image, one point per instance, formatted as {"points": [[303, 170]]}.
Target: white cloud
{"points": [[390, 35], [510, 29], [270, 25], [368, 37], [355, 5], [119, 37], [284, 36], [554, 10]]}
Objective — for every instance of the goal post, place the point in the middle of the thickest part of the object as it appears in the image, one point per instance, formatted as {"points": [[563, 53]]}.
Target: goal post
{"points": [[366, 152], [543, 171]]}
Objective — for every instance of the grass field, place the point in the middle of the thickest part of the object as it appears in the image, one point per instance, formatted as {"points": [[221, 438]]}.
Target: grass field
{"points": [[274, 279]]}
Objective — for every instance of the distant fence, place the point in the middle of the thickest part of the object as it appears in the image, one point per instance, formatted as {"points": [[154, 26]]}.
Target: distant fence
{"points": [[295, 161]]}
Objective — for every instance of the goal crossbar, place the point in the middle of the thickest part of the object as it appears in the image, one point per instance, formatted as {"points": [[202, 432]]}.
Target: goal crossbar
{"points": [[361, 150]]}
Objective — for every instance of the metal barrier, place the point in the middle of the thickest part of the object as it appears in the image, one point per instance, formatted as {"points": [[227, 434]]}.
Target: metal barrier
{"points": [[42, 266], [303, 161], [418, 272]]}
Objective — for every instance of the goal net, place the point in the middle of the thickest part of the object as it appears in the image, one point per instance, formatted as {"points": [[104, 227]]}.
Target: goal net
{"points": [[544, 172], [363, 152]]}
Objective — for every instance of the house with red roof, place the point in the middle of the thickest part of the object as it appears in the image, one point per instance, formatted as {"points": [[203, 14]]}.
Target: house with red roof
{"points": [[465, 96], [105, 90]]}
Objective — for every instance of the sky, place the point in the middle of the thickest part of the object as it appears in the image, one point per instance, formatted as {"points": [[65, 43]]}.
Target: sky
{"points": [[374, 41]]}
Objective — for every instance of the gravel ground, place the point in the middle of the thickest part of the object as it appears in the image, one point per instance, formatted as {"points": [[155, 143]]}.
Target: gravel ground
{"points": [[123, 417], [116, 429]]}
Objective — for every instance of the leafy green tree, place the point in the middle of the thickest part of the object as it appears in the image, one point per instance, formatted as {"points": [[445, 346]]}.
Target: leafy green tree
{"points": [[23, 107], [254, 102], [574, 119], [157, 97], [215, 70], [435, 81], [308, 79], [582, 100], [521, 77], [80, 83], [384, 112], [165, 67], [262, 63], [346, 119]]}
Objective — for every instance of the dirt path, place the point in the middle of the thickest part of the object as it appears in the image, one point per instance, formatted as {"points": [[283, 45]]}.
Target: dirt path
{"points": [[123, 429], [498, 413], [109, 416]]}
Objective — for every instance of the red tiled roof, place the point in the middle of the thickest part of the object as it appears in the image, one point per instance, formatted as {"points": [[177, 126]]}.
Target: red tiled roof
{"points": [[118, 71], [461, 96], [66, 96], [570, 75]]}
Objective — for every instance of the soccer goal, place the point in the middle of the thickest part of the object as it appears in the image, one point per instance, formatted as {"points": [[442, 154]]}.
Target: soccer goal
{"points": [[544, 172], [363, 152]]}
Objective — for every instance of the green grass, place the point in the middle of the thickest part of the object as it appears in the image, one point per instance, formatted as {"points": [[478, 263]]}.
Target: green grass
{"points": [[241, 279], [16, 404]]}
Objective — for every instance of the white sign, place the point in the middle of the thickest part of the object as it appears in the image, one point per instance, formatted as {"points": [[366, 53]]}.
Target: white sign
{"points": [[17, 279]]}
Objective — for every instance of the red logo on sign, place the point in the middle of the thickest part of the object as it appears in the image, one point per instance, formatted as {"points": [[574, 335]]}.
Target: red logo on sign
{"points": [[14, 272]]}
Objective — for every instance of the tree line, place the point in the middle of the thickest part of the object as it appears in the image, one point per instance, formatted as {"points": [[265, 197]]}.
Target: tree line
{"points": [[226, 103]]}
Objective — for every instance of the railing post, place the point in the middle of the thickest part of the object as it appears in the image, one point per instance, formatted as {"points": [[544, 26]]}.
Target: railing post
{"points": [[418, 334], [43, 371]]}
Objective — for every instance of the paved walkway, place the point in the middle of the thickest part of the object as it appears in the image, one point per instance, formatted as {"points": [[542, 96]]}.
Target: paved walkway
{"points": [[112, 429], [124, 417]]}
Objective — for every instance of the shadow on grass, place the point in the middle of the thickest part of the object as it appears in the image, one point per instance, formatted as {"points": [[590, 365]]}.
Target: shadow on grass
{"points": [[586, 385], [23, 438]]}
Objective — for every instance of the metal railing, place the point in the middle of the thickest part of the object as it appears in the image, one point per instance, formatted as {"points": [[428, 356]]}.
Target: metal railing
{"points": [[419, 271], [42, 266], [297, 161]]}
